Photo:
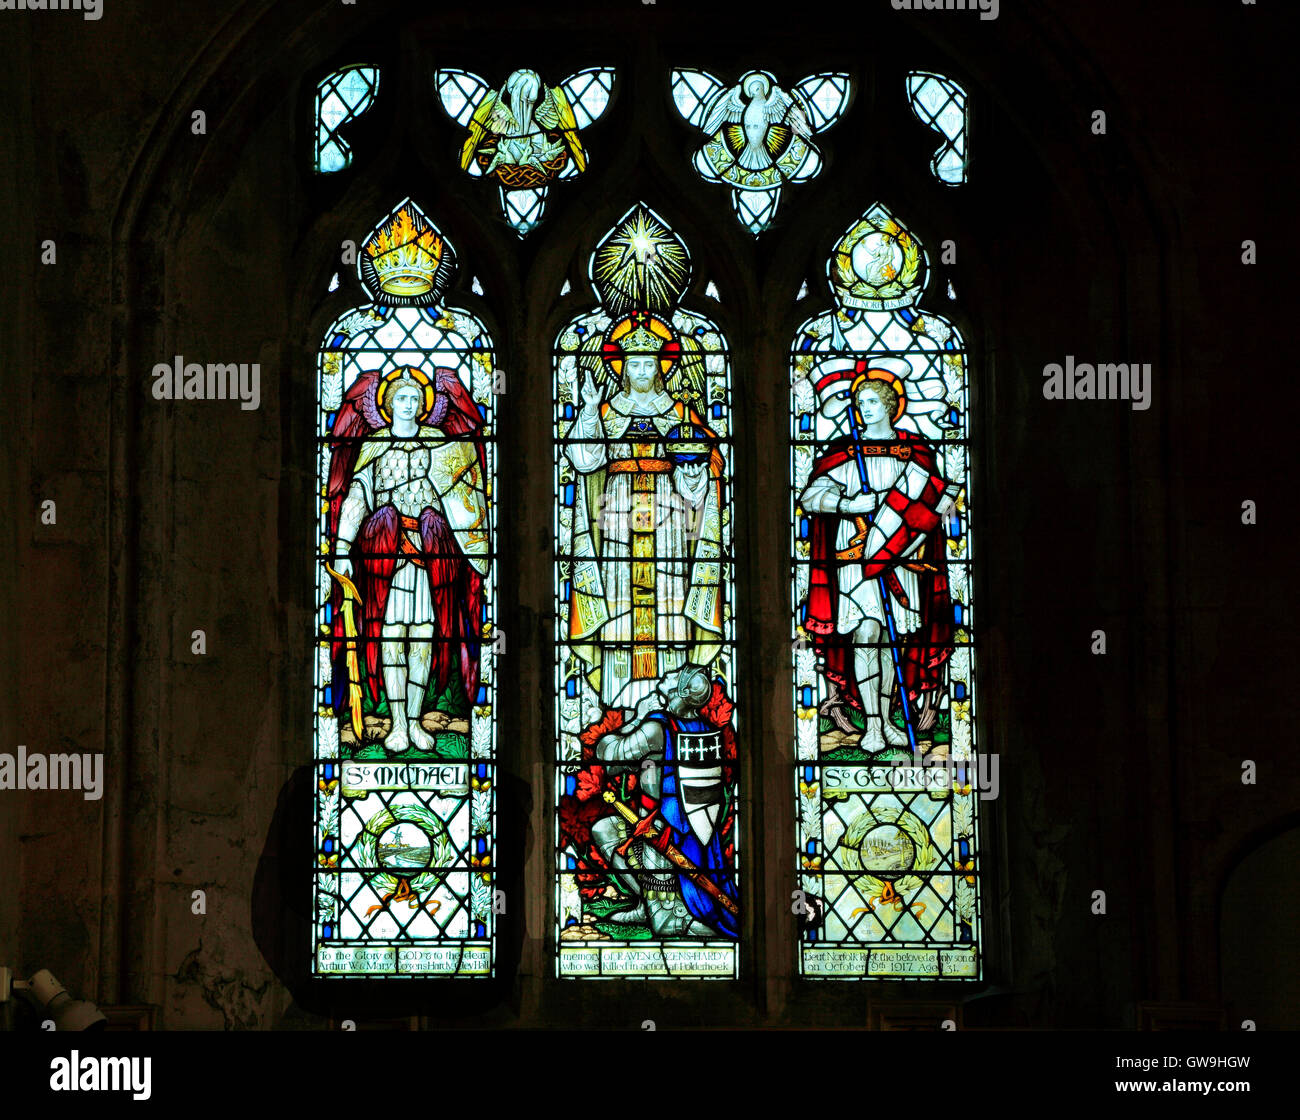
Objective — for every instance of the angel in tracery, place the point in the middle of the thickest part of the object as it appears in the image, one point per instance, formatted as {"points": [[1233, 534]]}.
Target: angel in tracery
{"points": [[758, 120], [760, 137]]}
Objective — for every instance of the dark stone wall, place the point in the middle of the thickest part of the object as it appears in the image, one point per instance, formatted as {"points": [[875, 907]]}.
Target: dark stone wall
{"points": [[1118, 773]]}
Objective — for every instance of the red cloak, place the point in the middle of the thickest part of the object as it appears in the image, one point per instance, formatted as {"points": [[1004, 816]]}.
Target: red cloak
{"points": [[926, 651], [456, 588]]}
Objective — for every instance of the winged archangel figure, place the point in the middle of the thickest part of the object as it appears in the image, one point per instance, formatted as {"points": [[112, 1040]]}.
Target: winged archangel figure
{"points": [[524, 134], [760, 136], [408, 518]]}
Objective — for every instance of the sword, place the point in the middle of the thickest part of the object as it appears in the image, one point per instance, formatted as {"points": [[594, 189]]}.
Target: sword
{"points": [[664, 845], [885, 589], [350, 598]]}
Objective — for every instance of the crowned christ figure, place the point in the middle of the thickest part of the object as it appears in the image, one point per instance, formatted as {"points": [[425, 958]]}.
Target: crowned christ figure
{"points": [[408, 521], [879, 610], [646, 577]]}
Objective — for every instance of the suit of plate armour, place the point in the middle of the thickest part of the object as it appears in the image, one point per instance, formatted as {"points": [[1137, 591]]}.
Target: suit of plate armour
{"points": [[401, 477], [412, 477]]}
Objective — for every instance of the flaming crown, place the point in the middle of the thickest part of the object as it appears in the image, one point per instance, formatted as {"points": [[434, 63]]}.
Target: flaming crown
{"points": [[406, 254]]}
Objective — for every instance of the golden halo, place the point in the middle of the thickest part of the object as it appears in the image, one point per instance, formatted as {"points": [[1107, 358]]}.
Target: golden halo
{"points": [[387, 384], [880, 375], [668, 353]]}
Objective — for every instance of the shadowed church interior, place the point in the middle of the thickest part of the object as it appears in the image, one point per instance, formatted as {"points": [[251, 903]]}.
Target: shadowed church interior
{"points": [[461, 282]]}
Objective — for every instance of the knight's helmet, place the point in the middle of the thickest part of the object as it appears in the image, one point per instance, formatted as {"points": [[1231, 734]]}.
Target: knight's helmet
{"points": [[691, 685]]}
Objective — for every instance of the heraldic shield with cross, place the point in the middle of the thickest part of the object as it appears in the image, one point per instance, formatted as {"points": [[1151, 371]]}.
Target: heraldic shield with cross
{"points": [[645, 649]]}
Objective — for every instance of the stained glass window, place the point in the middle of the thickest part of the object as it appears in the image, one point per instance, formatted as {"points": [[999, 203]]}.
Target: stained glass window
{"points": [[340, 98], [759, 135], [941, 103], [525, 135], [646, 875], [884, 685], [405, 679]]}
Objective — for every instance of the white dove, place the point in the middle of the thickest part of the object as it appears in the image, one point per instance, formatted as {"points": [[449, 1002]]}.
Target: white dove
{"points": [[767, 105]]}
